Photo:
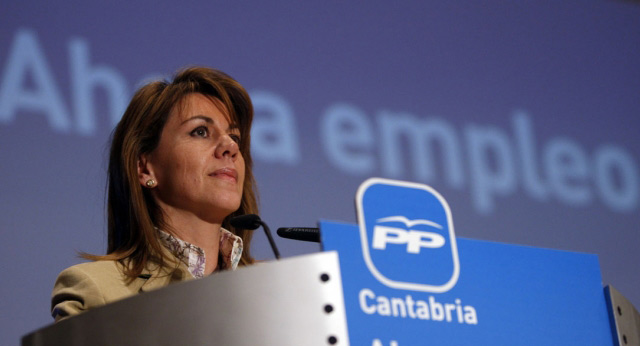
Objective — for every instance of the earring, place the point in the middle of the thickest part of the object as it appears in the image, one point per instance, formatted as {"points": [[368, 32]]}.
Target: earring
{"points": [[150, 183]]}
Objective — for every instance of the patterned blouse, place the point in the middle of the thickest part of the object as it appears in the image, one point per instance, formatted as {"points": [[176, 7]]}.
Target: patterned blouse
{"points": [[194, 257]]}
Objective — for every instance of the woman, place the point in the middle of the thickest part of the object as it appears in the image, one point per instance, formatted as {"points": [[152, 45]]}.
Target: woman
{"points": [[179, 169]]}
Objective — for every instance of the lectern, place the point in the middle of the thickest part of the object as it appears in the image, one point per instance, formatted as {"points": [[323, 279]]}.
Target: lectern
{"points": [[296, 301], [402, 278]]}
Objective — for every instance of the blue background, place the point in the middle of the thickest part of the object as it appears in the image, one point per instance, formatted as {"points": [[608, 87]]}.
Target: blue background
{"points": [[522, 296], [572, 67]]}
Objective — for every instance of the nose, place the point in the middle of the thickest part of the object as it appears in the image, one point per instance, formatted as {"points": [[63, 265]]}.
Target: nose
{"points": [[227, 147]]}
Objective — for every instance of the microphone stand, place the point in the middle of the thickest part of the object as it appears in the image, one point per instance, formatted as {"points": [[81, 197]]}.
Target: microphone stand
{"points": [[252, 222], [267, 231]]}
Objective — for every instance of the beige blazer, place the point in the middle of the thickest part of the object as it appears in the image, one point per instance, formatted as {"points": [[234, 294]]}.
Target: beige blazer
{"points": [[92, 284]]}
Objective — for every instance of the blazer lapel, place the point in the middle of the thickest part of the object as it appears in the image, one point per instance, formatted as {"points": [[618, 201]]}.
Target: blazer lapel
{"points": [[157, 277]]}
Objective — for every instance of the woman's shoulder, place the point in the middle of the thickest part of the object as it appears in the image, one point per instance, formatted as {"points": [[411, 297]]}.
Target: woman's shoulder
{"points": [[95, 270], [88, 285], [99, 275]]}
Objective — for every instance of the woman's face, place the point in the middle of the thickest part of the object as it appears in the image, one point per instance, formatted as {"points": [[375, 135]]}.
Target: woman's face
{"points": [[197, 165]]}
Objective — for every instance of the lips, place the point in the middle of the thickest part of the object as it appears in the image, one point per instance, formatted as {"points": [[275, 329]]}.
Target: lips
{"points": [[225, 173]]}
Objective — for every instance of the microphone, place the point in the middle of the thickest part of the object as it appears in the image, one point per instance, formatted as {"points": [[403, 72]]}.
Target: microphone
{"points": [[300, 233], [252, 222], [247, 221]]}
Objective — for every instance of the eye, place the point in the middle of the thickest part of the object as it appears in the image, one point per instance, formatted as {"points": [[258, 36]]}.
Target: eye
{"points": [[200, 131], [235, 137]]}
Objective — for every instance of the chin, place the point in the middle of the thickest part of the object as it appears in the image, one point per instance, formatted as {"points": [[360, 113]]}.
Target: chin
{"points": [[227, 209]]}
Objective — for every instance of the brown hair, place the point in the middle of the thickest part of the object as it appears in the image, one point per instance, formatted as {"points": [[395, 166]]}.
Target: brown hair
{"points": [[132, 212]]}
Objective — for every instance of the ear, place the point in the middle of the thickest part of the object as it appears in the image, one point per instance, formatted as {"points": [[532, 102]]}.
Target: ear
{"points": [[145, 170]]}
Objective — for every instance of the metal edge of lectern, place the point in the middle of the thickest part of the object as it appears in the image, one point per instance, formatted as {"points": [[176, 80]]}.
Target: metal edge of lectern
{"points": [[624, 318], [275, 303]]}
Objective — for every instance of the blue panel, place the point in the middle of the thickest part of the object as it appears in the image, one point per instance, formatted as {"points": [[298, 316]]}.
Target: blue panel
{"points": [[505, 295]]}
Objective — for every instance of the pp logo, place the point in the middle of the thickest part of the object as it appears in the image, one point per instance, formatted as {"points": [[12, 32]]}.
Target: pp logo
{"points": [[407, 235], [414, 239]]}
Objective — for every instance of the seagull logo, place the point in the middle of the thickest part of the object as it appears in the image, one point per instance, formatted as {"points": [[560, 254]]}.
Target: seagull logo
{"points": [[407, 236]]}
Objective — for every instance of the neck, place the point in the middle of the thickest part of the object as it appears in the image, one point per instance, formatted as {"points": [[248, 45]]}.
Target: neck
{"points": [[192, 229]]}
